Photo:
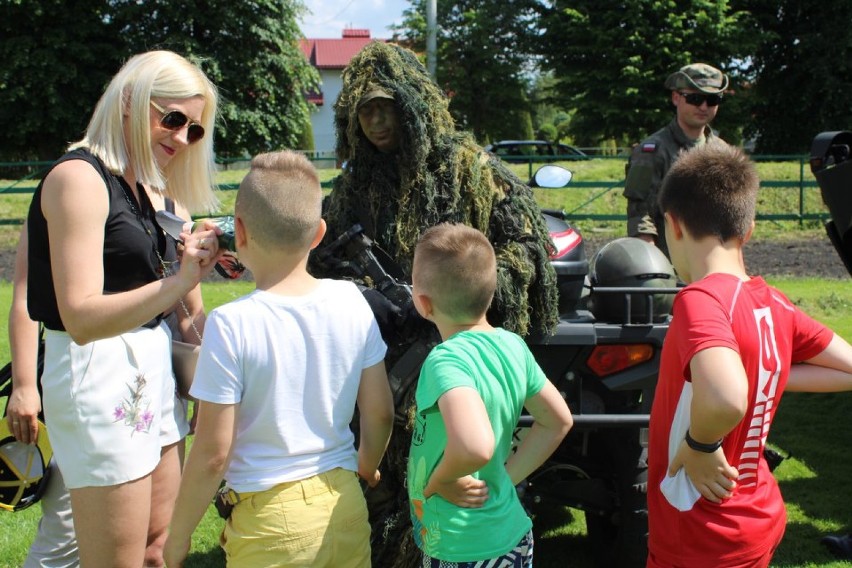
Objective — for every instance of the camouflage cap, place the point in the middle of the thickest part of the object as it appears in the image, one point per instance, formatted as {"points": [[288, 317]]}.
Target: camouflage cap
{"points": [[698, 76], [374, 92]]}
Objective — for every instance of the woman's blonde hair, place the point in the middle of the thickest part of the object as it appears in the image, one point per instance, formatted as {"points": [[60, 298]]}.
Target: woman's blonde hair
{"points": [[189, 178]]}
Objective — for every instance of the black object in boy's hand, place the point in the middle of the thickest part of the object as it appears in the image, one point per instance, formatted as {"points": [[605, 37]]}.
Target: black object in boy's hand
{"points": [[222, 501]]}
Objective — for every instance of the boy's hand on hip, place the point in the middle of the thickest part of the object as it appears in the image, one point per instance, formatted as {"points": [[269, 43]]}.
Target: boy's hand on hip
{"points": [[711, 474], [466, 492]]}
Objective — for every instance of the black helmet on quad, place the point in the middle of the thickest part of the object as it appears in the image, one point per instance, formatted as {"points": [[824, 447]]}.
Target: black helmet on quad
{"points": [[630, 262]]}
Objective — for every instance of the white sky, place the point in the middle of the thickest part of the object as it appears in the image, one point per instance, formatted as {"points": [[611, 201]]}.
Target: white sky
{"points": [[328, 18]]}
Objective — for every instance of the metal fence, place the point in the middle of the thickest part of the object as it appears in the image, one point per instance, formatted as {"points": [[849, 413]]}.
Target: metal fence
{"points": [[802, 185], [29, 171]]}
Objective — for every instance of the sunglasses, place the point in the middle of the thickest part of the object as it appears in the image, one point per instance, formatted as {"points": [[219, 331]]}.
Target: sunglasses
{"points": [[175, 120], [696, 99]]}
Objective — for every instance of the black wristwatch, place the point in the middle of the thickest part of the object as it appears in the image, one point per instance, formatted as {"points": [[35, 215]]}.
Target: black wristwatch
{"points": [[699, 447]]}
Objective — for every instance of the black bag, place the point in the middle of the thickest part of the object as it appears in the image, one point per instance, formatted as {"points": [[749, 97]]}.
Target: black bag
{"points": [[6, 380], [6, 376]]}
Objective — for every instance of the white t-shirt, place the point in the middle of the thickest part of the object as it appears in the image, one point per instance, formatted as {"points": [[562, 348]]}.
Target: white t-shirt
{"points": [[293, 364]]}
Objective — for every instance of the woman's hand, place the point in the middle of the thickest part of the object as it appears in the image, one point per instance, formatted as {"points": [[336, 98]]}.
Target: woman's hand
{"points": [[22, 413], [200, 252]]}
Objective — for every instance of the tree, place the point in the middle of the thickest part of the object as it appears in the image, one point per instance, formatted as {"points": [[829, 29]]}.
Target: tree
{"points": [[547, 131], [802, 74], [483, 61], [306, 139], [56, 56], [249, 49], [611, 62]]}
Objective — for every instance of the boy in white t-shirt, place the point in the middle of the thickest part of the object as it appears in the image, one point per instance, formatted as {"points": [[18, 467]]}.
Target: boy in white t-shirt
{"points": [[278, 378]]}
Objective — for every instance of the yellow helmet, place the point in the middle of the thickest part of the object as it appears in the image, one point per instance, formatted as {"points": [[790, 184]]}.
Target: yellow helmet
{"points": [[24, 468]]}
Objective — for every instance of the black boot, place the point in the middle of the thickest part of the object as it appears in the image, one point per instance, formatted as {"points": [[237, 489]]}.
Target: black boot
{"points": [[839, 545]]}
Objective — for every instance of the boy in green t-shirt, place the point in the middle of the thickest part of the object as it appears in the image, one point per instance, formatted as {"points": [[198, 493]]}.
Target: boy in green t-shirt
{"points": [[472, 388]]}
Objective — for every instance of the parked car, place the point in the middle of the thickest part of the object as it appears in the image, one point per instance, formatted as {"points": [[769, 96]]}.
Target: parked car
{"points": [[537, 150]]}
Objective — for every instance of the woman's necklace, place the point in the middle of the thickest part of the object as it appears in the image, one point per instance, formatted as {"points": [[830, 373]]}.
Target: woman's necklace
{"points": [[163, 270], [125, 188]]}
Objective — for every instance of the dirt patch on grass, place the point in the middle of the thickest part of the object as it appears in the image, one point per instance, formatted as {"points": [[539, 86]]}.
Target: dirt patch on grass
{"points": [[805, 255], [808, 254]]}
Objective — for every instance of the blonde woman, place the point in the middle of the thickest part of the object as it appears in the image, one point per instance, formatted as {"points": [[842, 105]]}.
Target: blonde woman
{"points": [[100, 280]]}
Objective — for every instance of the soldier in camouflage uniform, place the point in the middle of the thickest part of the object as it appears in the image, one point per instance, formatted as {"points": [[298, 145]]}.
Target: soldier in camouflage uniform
{"points": [[696, 92]]}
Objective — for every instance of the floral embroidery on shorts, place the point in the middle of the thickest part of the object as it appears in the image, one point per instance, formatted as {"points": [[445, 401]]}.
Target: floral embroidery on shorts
{"points": [[135, 410]]}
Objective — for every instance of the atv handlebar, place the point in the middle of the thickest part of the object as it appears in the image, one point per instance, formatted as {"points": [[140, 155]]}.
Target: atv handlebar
{"points": [[599, 420]]}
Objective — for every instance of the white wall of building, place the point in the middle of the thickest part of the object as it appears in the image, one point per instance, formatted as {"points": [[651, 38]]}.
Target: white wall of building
{"points": [[322, 119]]}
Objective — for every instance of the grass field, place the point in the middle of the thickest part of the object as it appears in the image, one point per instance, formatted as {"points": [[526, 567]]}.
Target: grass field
{"points": [[812, 428], [814, 481]]}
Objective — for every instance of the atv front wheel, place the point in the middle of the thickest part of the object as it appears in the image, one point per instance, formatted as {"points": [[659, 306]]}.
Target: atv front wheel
{"points": [[621, 534]]}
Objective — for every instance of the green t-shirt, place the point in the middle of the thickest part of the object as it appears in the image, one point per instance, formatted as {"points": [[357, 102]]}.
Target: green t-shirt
{"points": [[499, 365]]}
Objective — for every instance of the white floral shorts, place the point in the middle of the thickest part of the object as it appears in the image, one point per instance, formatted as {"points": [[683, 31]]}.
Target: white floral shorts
{"points": [[109, 405]]}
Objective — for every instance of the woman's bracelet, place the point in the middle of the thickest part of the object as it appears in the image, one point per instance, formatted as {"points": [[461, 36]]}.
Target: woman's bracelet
{"points": [[699, 447]]}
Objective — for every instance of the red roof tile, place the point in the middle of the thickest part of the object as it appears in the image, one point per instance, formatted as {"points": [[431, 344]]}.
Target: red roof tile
{"points": [[332, 53], [335, 53]]}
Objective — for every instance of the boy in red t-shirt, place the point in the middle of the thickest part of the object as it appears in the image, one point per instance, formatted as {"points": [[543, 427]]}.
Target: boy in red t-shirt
{"points": [[734, 345]]}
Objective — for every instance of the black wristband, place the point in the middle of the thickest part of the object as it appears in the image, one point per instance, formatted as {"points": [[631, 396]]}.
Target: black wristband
{"points": [[699, 447]]}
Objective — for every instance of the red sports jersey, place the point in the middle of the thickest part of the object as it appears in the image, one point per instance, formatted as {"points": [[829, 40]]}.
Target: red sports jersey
{"points": [[769, 333]]}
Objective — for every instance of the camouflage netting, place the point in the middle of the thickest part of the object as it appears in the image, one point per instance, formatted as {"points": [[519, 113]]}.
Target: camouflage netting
{"points": [[436, 175]]}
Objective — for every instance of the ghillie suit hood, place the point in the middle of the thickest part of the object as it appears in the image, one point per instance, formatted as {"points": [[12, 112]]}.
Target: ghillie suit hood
{"points": [[437, 175]]}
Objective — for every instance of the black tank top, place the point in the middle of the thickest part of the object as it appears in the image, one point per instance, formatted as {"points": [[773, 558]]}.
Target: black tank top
{"points": [[129, 257]]}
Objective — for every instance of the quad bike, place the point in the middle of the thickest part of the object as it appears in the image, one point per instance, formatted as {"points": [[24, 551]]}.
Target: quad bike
{"points": [[831, 165], [603, 357]]}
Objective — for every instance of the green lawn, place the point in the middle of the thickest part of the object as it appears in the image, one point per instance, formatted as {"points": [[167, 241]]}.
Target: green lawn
{"points": [[814, 481]]}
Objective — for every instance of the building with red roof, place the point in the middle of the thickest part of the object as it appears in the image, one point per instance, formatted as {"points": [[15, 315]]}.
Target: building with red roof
{"points": [[330, 56]]}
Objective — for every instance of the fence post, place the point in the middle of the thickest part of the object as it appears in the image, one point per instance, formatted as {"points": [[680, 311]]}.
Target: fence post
{"points": [[801, 191]]}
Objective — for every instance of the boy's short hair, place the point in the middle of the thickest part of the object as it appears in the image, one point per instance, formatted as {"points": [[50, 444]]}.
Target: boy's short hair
{"points": [[280, 200], [456, 267], [712, 190]]}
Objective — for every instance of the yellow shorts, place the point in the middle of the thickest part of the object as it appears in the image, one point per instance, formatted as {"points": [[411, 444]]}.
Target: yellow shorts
{"points": [[318, 521]]}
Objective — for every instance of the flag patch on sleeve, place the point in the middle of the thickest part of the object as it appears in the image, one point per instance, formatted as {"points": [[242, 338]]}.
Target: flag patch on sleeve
{"points": [[649, 147]]}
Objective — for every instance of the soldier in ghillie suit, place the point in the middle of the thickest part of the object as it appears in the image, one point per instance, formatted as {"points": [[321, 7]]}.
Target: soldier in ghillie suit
{"points": [[406, 168]]}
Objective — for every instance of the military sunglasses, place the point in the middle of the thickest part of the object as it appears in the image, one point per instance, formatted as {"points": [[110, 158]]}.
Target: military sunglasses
{"points": [[697, 99], [175, 120]]}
